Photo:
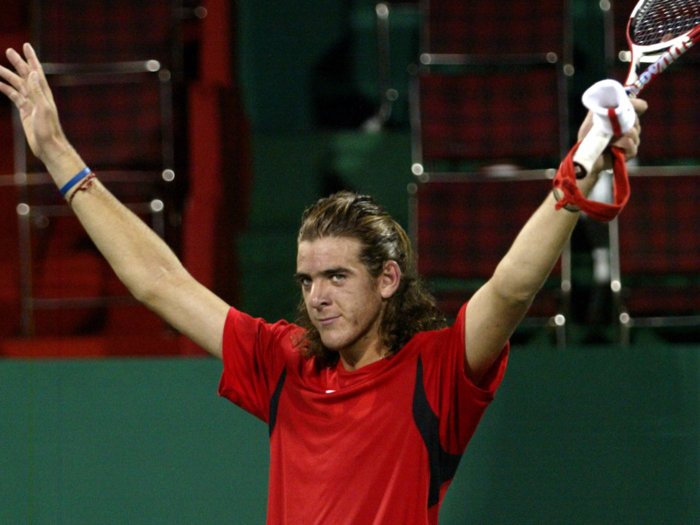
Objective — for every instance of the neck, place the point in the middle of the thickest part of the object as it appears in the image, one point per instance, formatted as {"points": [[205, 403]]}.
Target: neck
{"points": [[369, 349], [352, 361]]}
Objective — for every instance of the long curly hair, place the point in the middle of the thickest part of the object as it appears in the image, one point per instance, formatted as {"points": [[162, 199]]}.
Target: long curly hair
{"points": [[410, 310]]}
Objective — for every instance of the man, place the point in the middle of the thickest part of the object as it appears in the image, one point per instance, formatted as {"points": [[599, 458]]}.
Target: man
{"points": [[370, 401]]}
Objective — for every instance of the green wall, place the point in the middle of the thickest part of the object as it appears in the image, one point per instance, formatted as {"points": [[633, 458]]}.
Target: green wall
{"points": [[593, 435], [280, 42], [141, 441]]}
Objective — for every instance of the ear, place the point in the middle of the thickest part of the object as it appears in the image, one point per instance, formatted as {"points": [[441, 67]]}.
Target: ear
{"points": [[390, 279]]}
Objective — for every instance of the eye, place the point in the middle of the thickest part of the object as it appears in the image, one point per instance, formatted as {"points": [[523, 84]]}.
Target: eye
{"points": [[338, 277], [304, 281]]}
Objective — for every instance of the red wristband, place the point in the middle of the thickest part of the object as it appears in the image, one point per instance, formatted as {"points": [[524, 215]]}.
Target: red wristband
{"points": [[565, 181], [84, 185]]}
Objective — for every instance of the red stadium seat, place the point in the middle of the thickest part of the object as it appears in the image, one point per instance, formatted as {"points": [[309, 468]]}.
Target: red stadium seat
{"points": [[497, 28], [462, 228], [490, 117], [492, 86], [109, 68], [656, 261], [88, 32]]}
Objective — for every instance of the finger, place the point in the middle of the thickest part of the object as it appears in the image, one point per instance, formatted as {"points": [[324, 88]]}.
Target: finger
{"points": [[634, 139], [17, 62], [34, 89], [630, 144], [15, 89], [640, 105], [631, 137], [35, 65], [12, 94], [12, 78], [33, 61]]}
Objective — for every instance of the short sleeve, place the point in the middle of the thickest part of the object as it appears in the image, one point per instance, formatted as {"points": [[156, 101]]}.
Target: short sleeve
{"points": [[459, 403], [254, 356]]}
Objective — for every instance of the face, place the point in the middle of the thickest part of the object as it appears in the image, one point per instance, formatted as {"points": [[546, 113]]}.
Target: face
{"points": [[342, 299]]}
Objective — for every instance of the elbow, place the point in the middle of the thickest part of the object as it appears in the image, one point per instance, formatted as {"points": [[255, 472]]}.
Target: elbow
{"points": [[515, 298], [150, 289], [143, 293], [513, 289], [140, 288]]}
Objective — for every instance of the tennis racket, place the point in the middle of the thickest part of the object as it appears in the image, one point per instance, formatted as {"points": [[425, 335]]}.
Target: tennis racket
{"points": [[658, 33]]}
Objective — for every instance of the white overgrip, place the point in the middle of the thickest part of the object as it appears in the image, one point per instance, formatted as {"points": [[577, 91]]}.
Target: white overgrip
{"points": [[613, 114]]}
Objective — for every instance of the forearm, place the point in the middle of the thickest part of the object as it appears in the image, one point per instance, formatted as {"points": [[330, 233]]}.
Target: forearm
{"points": [[496, 308], [138, 256], [538, 246]]}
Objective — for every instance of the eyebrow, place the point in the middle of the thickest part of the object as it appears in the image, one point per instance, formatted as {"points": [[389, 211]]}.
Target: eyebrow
{"points": [[299, 276]]}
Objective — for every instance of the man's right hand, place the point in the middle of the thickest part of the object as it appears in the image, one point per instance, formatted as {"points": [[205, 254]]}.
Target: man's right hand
{"points": [[28, 89]]}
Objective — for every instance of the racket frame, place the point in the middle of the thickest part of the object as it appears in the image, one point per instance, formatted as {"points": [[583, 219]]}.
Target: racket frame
{"points": [[661, 56], [667, 53]]}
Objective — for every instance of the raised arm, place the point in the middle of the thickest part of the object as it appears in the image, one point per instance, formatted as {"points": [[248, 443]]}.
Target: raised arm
{"points": [[142, 261], [497, 308]]}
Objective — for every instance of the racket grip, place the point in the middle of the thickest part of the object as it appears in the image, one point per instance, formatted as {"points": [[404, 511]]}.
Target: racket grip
{"points": [[592, 146]]}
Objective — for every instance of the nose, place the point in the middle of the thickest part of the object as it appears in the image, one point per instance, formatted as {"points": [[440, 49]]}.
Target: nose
{"points": [[318, 295]]}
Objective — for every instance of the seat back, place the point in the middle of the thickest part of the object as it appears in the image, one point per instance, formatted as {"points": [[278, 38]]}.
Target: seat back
{"points": [[497, 28], [89, 32], [491, 116], [463, 227], [656, 250], [107, 64], [659, 238]]}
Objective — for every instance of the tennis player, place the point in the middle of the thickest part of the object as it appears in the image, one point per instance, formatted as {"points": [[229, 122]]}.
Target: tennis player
{"points": [[370, 399]]}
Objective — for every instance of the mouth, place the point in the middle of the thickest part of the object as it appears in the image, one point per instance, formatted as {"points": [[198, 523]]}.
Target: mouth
{"points": [[326, 321]]}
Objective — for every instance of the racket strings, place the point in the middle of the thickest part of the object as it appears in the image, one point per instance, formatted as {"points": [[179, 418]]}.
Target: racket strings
{"points": [[662, 20]]}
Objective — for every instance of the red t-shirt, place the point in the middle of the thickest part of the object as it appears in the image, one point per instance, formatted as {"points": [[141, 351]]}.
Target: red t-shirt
{"points": [[379, 445]]}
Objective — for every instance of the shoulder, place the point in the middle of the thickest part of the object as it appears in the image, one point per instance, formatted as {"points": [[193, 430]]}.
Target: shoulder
{"points": [[452, 335], [245, 331]]}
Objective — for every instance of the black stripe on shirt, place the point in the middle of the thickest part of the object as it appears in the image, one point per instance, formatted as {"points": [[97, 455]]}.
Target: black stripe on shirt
{"points": [[443, 465], [275, 399]]}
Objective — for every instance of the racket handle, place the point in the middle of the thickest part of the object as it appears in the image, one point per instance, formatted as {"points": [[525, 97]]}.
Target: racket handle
{"points": [[592, 146], [613, 114]]}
